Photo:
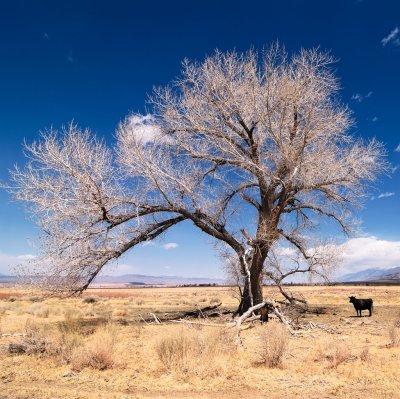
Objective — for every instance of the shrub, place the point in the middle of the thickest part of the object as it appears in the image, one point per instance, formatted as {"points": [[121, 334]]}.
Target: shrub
{"points": [[195, 352], [215, 299], [39, 310], [275, 341], [394, 333], [364, 355], [98, 352], [35, 299], [69, 336], [336, 352], [89, 299]]}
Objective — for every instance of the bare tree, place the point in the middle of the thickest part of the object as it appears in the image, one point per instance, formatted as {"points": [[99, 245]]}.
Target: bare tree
{"points": [[253, 150]]}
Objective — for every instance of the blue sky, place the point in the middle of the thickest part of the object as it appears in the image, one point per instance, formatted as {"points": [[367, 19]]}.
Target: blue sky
{"points": [[95, 62]]}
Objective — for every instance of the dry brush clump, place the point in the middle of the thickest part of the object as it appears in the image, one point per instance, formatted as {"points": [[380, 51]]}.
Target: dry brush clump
{"points": [[39, 310], [69, 336], [394, 333], [199, 352], [98, 352], [275, 344], [335, 352], [364, 354], [67, 343]]}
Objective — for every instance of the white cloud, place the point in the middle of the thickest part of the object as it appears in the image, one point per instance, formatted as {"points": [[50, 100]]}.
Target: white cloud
{"points": [[395, 168], [397, 149], [375, 119], [143, 127], [392, 37], [117, 269], [8, 262], [170, 245], [148, 244], [360, 97], [357, 97], [385, 195], [369, 252]]}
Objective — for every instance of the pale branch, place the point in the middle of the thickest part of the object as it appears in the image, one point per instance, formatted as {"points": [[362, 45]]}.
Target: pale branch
{"points": [[271, 305]]}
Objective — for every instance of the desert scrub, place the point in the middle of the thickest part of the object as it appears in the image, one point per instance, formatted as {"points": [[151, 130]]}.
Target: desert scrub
{"points": [[89, 299], [364, 354], [69, 335], [98, 352], [198, 352], [39, 310], [215, 300], [394, 333], [274, 345], [335, 352]]}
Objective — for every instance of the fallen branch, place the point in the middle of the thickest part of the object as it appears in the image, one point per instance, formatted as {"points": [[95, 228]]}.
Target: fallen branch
{"points": [[246, 315], [202, 313], [198, 323], [156, 319], [322, 327]]}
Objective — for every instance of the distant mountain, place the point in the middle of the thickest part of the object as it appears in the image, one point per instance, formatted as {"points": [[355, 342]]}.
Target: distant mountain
{"points": [[140, 280], [7, 279], [372, 275]]}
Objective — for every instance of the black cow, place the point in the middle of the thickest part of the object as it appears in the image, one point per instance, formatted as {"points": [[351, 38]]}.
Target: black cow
{"points": [[362, 304]]}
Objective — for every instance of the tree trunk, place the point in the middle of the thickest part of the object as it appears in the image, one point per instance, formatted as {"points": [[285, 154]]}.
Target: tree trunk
{"points": [[256, 286]]}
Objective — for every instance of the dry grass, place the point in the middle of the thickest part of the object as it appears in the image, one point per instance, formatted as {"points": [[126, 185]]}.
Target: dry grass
{"points": [[275, 343], [338, 353], [69, 337], [195, 351], [394, 333], [365, 355], [98, 352], [114, 353]]}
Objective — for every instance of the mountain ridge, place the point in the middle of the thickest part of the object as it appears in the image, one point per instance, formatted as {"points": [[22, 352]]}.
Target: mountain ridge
{"points": [[372, 274]]}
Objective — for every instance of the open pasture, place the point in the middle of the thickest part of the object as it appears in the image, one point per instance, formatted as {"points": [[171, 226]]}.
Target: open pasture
{"points": [[107, 344]]}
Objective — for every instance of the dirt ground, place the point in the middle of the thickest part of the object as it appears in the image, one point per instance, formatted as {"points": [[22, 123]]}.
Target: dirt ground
{"points": [[107, 344]]}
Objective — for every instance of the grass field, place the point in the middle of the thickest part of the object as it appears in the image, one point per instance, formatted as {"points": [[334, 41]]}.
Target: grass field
{"points": [[106, 345]]}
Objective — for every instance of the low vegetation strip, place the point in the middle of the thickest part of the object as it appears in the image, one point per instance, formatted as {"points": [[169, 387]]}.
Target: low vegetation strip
{"points": [[65, 347]]}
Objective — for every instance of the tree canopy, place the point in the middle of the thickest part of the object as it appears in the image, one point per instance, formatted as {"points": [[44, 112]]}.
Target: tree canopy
{"points": [[251, 149]]}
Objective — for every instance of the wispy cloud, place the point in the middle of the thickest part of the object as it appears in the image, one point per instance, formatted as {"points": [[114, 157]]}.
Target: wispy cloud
{"points": [[170, 245], [385, 195], [360, 97], [395, 168], [392, 37], [375, 119], [397, 149], [8, 262], [357, 97], [45, 36], [148, 244], [70, 58]]}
